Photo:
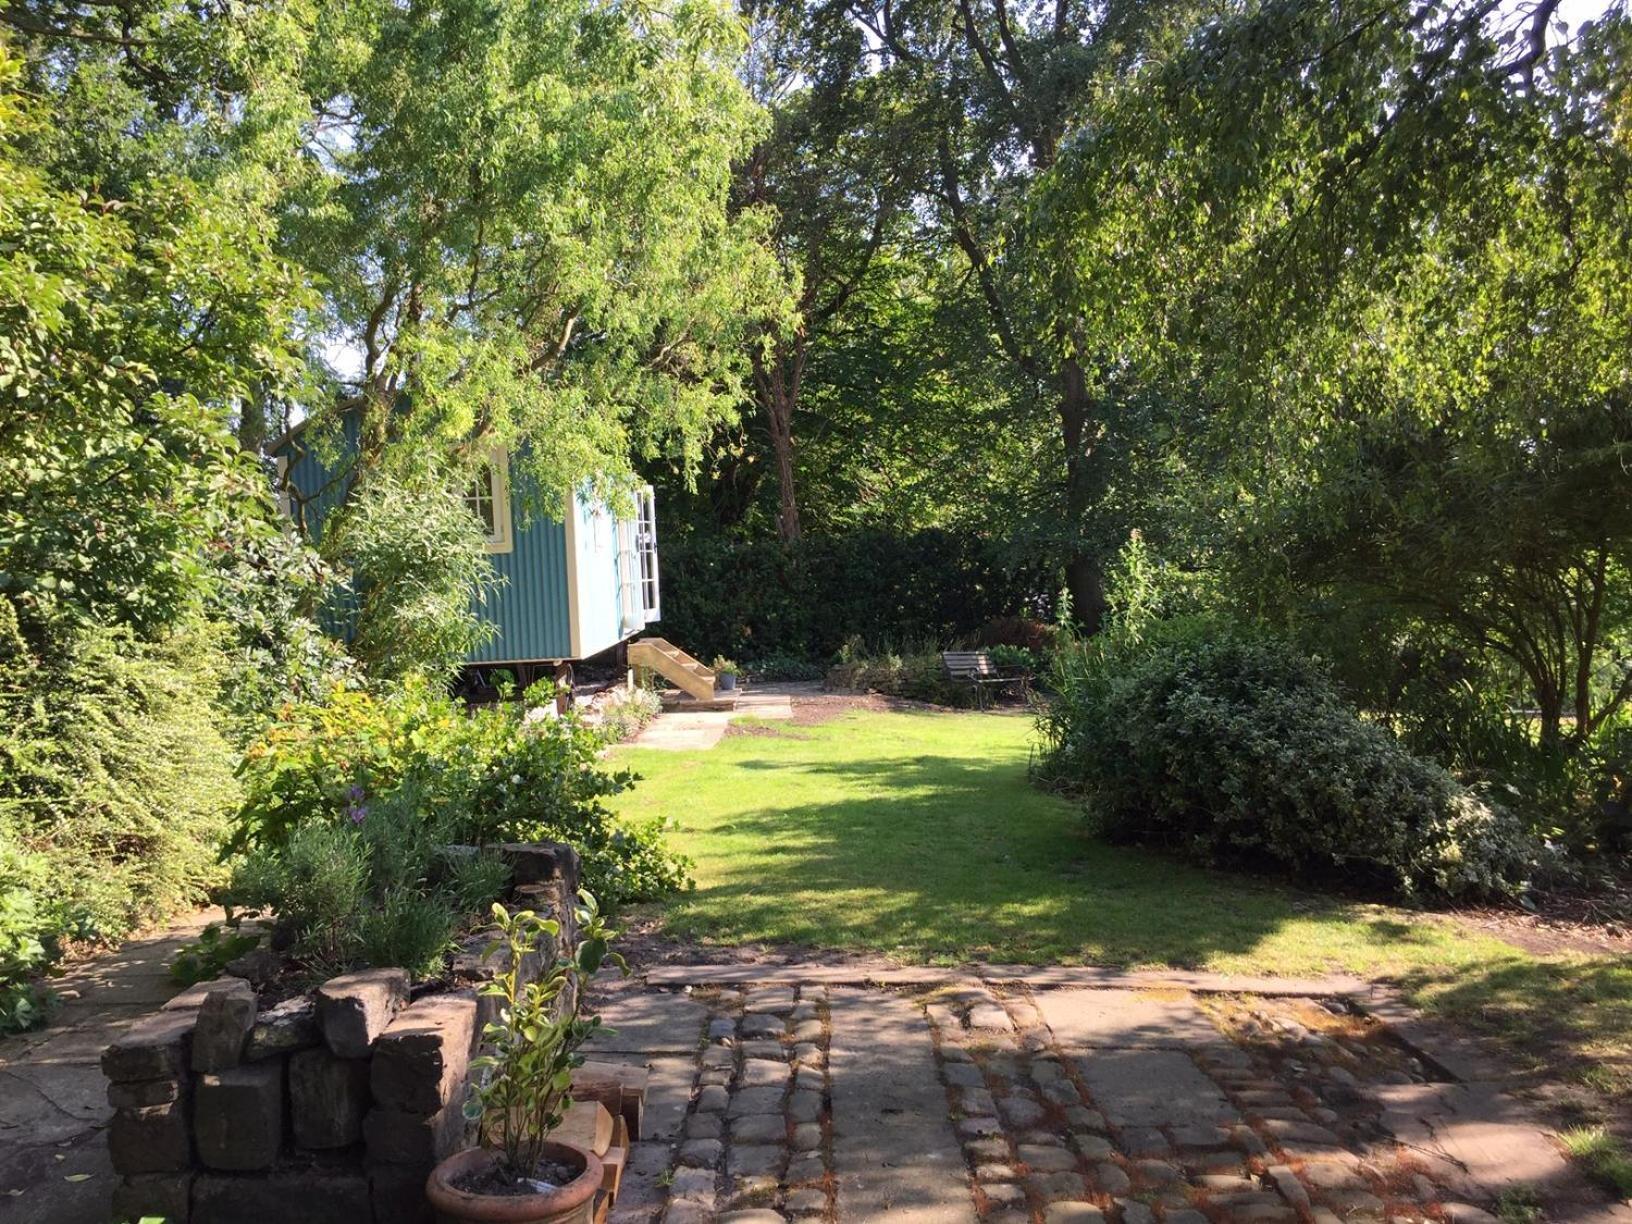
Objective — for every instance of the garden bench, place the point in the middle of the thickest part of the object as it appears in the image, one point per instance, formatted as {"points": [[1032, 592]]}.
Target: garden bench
{"points": [[976, 669]]}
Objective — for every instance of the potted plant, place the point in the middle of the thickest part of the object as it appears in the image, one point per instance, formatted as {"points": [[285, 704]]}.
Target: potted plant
{"points": [[725, 673], [518, 1174]]}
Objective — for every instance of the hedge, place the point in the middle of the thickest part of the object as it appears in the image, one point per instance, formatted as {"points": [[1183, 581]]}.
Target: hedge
{"points": [[764, 599]]}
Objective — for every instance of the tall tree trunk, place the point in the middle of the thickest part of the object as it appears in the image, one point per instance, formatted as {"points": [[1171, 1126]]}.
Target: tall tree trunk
{"points": [[1084, 575], [776, 382]]}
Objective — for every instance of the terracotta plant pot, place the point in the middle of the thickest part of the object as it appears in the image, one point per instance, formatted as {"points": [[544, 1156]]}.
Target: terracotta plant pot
{"points": [[572, 1203]]}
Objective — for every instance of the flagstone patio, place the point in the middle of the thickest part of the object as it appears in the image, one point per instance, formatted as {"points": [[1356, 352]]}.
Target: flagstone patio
{"points": [[812, 1094]]}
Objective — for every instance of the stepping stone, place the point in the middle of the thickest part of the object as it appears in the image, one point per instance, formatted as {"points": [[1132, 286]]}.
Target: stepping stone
{"points": [[1126, 1019], [1152, 1087], [895, 1154]]}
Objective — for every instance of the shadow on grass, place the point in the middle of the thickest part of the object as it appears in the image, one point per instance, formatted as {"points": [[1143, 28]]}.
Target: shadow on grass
{"points": [[941, 857], [1571, 1015]]}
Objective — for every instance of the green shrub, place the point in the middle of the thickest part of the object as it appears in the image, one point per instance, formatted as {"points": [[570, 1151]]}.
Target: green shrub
{"points": [[627, 711], [411, 760], [410, 929], [917, 677], [418, 573], [317, 883], [1227, 748], [775, 667], [1016, 658], [116, 786]]}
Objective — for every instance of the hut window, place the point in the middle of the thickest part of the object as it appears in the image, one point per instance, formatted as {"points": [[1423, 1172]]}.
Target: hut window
{"points": [[489, 500]]}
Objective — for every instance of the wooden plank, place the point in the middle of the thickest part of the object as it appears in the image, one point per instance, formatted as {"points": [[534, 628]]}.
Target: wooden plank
{"points": [[589, 1125]]}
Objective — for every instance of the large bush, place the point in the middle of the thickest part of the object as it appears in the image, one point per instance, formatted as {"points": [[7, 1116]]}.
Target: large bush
{"points": [[506, 772], [1230, 749], [760, 599], [116, 785]]}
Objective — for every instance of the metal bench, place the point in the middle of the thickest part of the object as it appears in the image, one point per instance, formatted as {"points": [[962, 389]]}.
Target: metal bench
{"points": [[976, 669]]}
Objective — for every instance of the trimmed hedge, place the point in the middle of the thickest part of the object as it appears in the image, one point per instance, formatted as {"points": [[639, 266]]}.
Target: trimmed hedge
{"points": [[764, 599], [1226, 749]]}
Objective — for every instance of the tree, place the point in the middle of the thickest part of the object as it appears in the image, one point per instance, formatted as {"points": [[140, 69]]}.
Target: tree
{"points": [[998, 90], [1396, 278], [535, 251], [831, 168]]}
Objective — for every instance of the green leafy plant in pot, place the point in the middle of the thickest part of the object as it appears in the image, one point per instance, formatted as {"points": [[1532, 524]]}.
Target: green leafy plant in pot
{"points": [[725, 673], [522, 1089]]}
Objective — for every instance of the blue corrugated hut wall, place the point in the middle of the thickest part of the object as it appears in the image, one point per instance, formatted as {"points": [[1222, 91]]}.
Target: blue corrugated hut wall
{"points": [[531, 608]]}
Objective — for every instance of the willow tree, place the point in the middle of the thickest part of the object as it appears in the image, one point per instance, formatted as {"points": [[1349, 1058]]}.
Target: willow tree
{"points": [[1386, 244], [523, 233]]}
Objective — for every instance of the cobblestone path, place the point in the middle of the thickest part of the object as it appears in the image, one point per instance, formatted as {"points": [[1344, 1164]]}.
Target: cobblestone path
{"points": [[998, 1103]]}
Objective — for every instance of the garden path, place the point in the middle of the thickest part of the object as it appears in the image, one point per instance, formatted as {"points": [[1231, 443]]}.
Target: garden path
{"points": [[54, 1166], [817, 1091], [684, 730]]}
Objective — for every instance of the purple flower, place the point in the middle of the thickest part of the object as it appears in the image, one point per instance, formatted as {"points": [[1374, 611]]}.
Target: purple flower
{"points": [[358, 812], [355, 794]]}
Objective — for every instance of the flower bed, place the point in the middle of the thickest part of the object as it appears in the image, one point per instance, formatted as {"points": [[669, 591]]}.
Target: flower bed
{"points": [[329, 1105]]}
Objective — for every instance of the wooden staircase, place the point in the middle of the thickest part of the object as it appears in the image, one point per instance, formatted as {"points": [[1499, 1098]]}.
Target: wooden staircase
{"points": [[675, 665]]}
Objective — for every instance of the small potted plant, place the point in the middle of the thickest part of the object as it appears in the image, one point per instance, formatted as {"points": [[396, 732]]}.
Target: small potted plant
{"points": [[725, 673], [522, 1090]]}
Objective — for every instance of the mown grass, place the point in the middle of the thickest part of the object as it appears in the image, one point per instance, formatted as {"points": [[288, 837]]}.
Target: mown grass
{"points": [[917, 835]]}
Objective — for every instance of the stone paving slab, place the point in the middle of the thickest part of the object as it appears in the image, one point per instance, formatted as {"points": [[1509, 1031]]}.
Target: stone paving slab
{"points": [[896, 1155], [1123, 1018], [653, 1023], [54, 1164]]}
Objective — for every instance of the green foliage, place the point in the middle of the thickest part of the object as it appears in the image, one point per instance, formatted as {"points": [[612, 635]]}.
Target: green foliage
{"points": [[785, 667], [1013, 658], [577, 292], [129, 329], [724, 666], [266, 588], [520, 1093], [115, 782], [317, 884], [753, 599], [411, 760], [411, 929], [1604, 1156], [207, 959], [918, 677], [1227, 748], [418, 578], [627, 711]]}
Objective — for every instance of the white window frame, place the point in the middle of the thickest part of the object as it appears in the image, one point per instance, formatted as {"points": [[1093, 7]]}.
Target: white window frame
{"points": [[651, 598], [497, 466]]}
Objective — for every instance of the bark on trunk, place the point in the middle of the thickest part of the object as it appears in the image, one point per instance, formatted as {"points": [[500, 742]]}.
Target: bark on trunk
{"points": [[1084, 575], [776, 382]]}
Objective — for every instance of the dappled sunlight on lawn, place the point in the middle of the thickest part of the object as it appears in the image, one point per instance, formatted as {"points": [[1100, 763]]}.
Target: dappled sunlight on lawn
{"points": [[919, 835]]}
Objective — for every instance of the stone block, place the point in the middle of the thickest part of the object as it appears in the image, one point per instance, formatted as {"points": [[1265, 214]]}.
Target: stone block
{"points": [[541, 862], [355, 1008], [328, 1097], [193, 997], [395, 1136], [224, 1019], [419, 1061], [305, 1196], [284, 1029], [165, 1195], [154, 1139], [238, 1116], [398, 1194], [140, 1094], [155, 1047]]}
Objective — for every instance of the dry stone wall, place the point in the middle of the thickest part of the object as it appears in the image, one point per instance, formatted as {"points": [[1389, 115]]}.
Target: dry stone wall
{"points": [[332, 1106]]}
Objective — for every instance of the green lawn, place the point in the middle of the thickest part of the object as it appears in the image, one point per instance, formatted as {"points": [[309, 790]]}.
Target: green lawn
{"points": [[917, 835]]}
